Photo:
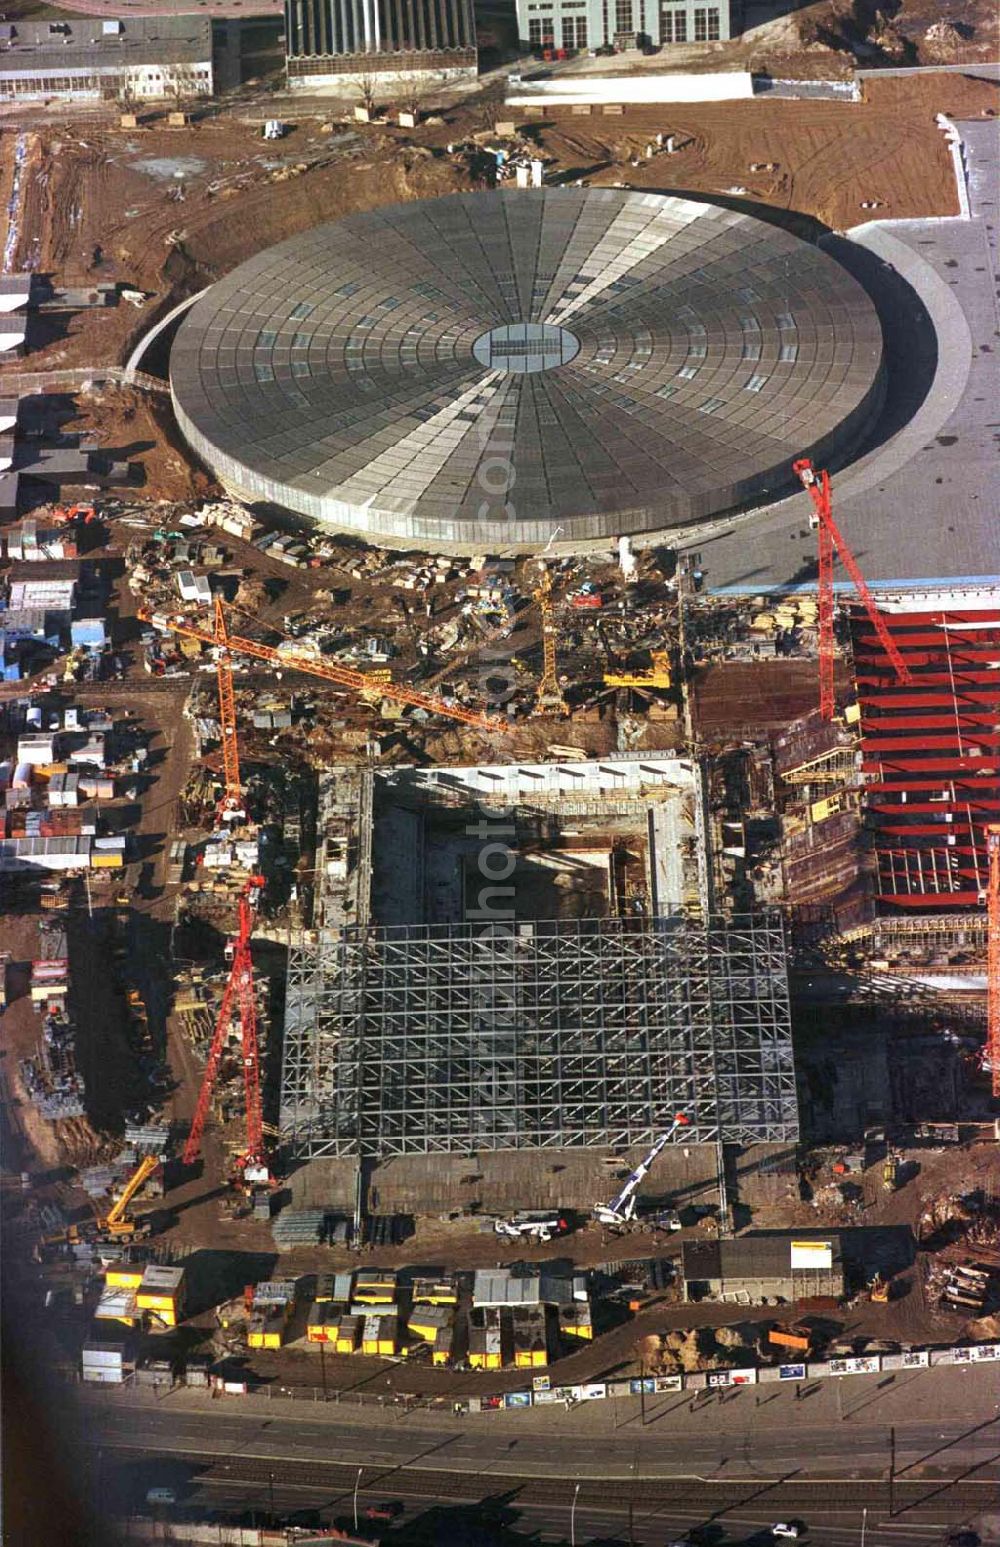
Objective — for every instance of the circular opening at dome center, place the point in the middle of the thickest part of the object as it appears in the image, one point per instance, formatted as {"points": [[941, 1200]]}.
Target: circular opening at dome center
{"points": [[522, 347]]}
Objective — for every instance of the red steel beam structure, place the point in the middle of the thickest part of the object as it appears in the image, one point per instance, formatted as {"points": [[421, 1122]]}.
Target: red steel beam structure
{"points": [[931, 754]]}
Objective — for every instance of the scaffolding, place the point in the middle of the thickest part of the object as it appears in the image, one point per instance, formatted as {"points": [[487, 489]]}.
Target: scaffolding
{"points": [[550, 1034]]}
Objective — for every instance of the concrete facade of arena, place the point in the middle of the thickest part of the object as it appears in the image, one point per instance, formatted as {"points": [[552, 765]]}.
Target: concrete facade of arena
{"points": [[366, 376], [574, 26], [338, 44], [90, 59]]}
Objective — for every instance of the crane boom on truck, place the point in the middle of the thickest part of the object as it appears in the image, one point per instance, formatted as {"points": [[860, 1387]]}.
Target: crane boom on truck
{"points": [[622, 1209], [116, 1221]]}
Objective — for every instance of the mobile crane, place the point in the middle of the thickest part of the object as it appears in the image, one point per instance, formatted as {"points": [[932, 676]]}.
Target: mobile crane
{"points": [[621, 1210], [817, 486], [117, 1224]]}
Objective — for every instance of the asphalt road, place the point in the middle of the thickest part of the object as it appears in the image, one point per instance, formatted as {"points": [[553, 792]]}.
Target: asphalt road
{"points": [[740, 1477], [517, 1513]]}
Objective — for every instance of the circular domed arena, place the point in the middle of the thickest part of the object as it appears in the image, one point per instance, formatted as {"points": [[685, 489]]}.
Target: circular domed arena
{"points": [[506, 369]]}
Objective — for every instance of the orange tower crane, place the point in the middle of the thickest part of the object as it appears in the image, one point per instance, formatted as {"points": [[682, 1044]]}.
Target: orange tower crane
{"points": [[817, 486], [232, 800], [993, 957], [291, 660], [550, 698], [239, 991]]}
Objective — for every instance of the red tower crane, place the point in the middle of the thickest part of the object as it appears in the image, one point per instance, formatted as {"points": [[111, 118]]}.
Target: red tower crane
{"points": [[817, 486], [239, 991], [993, 957]]}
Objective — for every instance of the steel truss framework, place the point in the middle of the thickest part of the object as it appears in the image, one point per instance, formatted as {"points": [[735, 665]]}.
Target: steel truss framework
{"points": [[550, 1034]]}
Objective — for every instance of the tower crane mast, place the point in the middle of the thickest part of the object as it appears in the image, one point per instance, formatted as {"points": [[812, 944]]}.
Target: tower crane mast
{"points": [[239, 992], [817, 486], [232, 800]]}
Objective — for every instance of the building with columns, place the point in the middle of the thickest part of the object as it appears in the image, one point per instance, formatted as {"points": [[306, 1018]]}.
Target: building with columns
{"points": [[576, 25], [332, 43]]}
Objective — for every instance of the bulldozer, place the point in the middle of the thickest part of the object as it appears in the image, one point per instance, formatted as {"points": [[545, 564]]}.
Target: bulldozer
{"points": [[657, 675]]}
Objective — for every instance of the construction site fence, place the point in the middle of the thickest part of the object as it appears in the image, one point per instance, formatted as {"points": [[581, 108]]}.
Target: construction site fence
{"points": [[543, 1393]]}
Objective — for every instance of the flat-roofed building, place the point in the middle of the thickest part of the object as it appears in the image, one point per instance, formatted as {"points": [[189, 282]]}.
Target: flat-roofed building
{"points": [[749, 1269], [575, 25], [89, 58], [337, 44]]}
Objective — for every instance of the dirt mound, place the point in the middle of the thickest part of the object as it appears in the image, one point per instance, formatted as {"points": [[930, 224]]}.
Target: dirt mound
{"points": [[139, 428], [943, 40]]}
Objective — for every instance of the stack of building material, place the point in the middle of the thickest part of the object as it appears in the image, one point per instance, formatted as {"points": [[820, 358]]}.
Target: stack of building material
{"points": [[298, 1227], [32, 543], [118, 1305]]}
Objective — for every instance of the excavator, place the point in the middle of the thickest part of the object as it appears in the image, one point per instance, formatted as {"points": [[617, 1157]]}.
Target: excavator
{"points": [[117, 1224], [64, 515]]}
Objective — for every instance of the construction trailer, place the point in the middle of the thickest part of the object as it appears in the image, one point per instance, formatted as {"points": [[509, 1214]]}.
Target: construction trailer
{"points": [[529, 1330], [161, 1294], [490, 1338], [749, 1269]]}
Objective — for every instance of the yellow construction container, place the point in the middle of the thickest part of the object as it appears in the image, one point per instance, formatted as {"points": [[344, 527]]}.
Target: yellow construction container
{"points": [[430, 1321], [434, 1291], [322, 1322], [106, 861], [268, 1331], [126, 1276], [380, 1335], [161, 1292], [575, 1321], [348, 1335], [375, 1288]]}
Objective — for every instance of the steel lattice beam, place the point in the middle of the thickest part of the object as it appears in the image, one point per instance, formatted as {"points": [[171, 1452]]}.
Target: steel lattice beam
{"points": [[427, 1038]]}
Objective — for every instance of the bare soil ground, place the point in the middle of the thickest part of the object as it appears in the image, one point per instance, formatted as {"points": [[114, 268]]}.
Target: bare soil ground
{"points": [[829, 156], [171, 210], [139, 427]]}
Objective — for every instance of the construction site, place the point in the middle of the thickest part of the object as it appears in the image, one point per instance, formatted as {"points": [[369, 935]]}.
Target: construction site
{"points": [[500, 735]]}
